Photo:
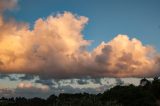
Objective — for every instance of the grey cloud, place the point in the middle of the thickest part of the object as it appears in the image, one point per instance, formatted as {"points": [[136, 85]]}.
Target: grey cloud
{"points": [[96, 81], [119, 81], [29, 90], [11, 77], [27, 77], [82, 81], [3, 76], [87, 80], [105, 56], [49, 82], [70, 89]]}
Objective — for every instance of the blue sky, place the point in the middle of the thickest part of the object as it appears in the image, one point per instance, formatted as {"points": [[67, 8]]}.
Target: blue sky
{"points": [[107, 18]]}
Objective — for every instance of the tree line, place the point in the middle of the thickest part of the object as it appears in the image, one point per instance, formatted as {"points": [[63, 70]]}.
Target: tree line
{"points": [[146, 94]]}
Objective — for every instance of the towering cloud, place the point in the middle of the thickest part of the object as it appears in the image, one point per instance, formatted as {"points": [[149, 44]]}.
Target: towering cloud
{"points": [[55, 48], [124, 57]]}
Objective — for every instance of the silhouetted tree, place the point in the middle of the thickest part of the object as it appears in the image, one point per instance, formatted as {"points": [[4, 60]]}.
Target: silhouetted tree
{"points": [[155, 88], [52, 100], [146, 94]]}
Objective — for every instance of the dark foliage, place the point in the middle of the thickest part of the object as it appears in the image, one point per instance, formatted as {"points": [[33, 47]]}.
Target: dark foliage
{"points": [[130, 96], [146, 94]]}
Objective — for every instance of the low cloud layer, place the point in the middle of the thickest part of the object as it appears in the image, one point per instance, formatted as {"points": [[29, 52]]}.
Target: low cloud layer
{"points": [[56, 48], [30, 90], [44, 88]]}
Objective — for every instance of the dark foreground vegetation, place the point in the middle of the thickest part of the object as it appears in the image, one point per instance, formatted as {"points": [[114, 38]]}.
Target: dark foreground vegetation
{"points": [[146, 94]]}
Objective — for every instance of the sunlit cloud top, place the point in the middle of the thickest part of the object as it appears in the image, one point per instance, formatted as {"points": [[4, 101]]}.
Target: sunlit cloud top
{"points": [[56, 48]]}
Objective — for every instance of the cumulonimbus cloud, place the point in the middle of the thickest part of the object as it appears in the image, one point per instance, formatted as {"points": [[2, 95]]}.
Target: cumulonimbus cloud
{"points": [[56, 48]]}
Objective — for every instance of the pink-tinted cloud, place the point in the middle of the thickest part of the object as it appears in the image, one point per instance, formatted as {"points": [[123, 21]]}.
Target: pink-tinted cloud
{"points": [[27, 85], [124, 57], [53, 46], [56, 48]]}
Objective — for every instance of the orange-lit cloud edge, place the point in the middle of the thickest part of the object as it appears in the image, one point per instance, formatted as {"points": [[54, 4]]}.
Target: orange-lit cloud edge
{"points": [[56, 48]]}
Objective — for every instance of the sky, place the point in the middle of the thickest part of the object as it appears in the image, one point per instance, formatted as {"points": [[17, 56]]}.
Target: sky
{"points": [[54, 46], [107, 18]]}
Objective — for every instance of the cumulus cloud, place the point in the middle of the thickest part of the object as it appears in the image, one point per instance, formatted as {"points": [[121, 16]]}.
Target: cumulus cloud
{"points": [[124, 57], [7, 4], [56, 48]]}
